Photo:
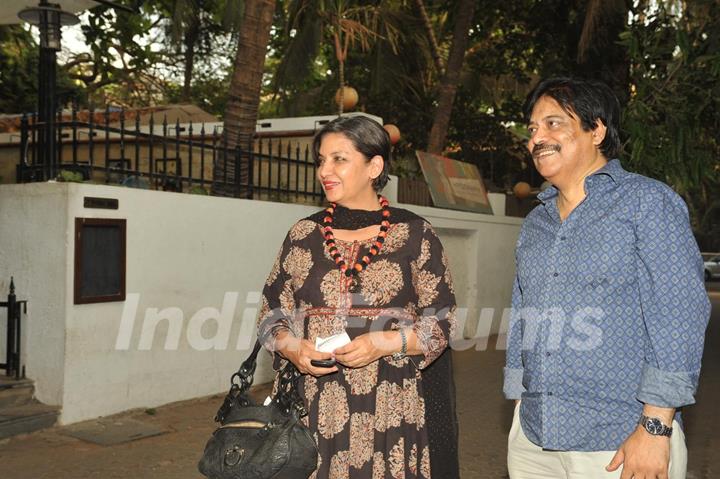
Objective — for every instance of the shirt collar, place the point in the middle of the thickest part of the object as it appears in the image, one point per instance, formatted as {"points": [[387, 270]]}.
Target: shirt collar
{"points": [[613, 170]]}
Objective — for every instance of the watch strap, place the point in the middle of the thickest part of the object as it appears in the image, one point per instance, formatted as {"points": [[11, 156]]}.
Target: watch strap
{"points": [[655, 426], [403, 349]]}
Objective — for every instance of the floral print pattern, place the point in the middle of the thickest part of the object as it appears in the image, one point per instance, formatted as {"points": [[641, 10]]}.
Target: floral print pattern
{"points": [[362, 380], [378, 470], [297, 264], [381, 282], [339, 466], [397, 238], [388, 406], [413, 405], [334, 410], [302, 229], [368, 422], [274, 271], [396, 460], [361, 439], [426, 286], [447, 277], [330, 287]]}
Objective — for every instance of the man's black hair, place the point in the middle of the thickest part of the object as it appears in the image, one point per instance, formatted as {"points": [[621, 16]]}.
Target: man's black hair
{"points": [[586, 100]]}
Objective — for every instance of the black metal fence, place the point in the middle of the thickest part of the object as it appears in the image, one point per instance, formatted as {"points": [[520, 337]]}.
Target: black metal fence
{"points": [[12, 364], [116, 147]]}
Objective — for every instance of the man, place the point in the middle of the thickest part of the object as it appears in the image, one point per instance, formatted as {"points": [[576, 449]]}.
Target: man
{"points": [[609, 304]]}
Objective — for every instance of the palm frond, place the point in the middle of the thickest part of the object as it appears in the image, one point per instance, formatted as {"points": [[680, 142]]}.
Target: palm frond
{"points": [[597, 13], [296, 9], [357, 32], [302, 50]]}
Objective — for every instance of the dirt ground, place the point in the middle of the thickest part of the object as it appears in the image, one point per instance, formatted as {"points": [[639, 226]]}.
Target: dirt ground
{"points": [[483, 413]]}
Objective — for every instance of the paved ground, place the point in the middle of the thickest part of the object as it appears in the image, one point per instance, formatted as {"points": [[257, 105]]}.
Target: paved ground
{"points": [[484, 419]]}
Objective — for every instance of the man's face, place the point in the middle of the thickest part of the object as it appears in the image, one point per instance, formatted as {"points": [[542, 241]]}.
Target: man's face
{"points": [[560, 148]]}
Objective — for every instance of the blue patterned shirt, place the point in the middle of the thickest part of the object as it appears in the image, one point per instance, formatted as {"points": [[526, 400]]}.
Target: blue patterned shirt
{"points": [[609, 312]]}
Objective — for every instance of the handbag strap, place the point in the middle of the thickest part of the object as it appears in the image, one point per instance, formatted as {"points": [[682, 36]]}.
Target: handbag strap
{"points": [[245, 375], [286, 397]]}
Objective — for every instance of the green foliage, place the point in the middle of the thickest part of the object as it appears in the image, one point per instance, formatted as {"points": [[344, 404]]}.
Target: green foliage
{"points": [[406, 166], [120, 66], [207, 91], [142, 59], [67, 176], [18, 70], [198, 190], [19, 55], [672, 119], [664, 65], [483, 138]]}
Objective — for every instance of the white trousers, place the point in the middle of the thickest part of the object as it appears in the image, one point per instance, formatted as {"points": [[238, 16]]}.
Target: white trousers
{"points": [[528, 461]]}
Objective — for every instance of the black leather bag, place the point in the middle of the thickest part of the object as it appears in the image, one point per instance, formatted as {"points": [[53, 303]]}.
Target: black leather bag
{"points": [[256, 441]]}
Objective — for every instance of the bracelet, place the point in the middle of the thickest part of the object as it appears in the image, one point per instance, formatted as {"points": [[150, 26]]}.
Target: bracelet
{"points": [[403, 349]]}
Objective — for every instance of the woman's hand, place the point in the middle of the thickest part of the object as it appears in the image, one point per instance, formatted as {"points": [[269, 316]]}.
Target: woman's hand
{"points": [[300, 352], [367, 348]]}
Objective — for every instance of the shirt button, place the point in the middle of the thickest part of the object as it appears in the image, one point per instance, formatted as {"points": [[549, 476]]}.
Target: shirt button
{"points": [[549, 393], [548, 353], [556, 274], [563, 238]]}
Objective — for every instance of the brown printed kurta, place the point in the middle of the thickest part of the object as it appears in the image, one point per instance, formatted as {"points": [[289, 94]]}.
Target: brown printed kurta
{"points": [[369, 422]]}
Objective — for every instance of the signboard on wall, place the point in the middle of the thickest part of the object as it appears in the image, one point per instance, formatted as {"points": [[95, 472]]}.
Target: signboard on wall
{"points": [[454, 184]]}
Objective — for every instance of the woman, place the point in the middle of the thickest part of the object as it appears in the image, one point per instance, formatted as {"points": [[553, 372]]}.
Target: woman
{"points": [[380, 275]]}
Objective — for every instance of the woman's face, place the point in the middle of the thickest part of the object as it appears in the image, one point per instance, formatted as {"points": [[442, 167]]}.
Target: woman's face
{"points": [[345, 174]]}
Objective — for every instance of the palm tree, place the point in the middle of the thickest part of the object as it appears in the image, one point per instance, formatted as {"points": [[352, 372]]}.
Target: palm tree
{"points": [[345, 23], [193, 24], [451, 78], [244, 94], [599, 53], [432, 39]]}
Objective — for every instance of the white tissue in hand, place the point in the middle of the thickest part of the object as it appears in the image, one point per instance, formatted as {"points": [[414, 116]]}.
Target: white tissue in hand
{"points": [[331, 343]]}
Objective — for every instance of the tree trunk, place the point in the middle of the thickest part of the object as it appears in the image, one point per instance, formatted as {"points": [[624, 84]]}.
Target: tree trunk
{"points": [[427, 25], [449, 83], [244, 94], [190, 39]]}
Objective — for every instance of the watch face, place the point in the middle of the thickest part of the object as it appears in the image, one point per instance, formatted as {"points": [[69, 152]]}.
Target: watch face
{"points": [[653, 426]]}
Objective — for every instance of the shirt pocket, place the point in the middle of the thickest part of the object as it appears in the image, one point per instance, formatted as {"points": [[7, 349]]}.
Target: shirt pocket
{"points": [[597, 287], [606, 260]]}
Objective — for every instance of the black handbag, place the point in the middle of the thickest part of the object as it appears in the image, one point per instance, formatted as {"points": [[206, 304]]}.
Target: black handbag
{"points": [[256, 441]]}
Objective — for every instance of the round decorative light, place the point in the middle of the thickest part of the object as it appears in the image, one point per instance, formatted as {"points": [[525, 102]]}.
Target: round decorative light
{"points": [[521, 190], [393, 131], [349, 97]]}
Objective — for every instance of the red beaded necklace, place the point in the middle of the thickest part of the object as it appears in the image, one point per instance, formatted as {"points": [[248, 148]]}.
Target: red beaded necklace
{"points": [[351, 273]]}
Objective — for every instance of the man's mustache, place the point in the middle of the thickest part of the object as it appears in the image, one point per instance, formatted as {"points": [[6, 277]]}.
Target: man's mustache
{"points": [[537, 149]]}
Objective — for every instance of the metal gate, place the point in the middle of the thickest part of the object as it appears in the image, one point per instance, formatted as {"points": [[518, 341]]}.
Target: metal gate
{"points": [[12, 364]]}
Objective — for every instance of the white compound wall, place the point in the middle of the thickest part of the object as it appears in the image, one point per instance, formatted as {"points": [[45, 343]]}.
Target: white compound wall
{"points": [[195, 268]]}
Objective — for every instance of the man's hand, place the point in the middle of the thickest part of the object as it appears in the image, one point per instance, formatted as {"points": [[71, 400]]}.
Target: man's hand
{"points": [[367, 348], [642, 455]]}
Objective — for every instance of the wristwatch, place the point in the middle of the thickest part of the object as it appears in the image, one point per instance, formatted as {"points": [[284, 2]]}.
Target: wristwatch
{"points": [[403, 349], [655, 426]]}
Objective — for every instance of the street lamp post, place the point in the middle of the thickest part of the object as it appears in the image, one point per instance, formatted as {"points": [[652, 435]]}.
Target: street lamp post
{"points": [[49, 18]]}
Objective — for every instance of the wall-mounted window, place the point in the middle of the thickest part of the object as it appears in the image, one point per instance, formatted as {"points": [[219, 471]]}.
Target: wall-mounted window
{"points": [[99, 260]]}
